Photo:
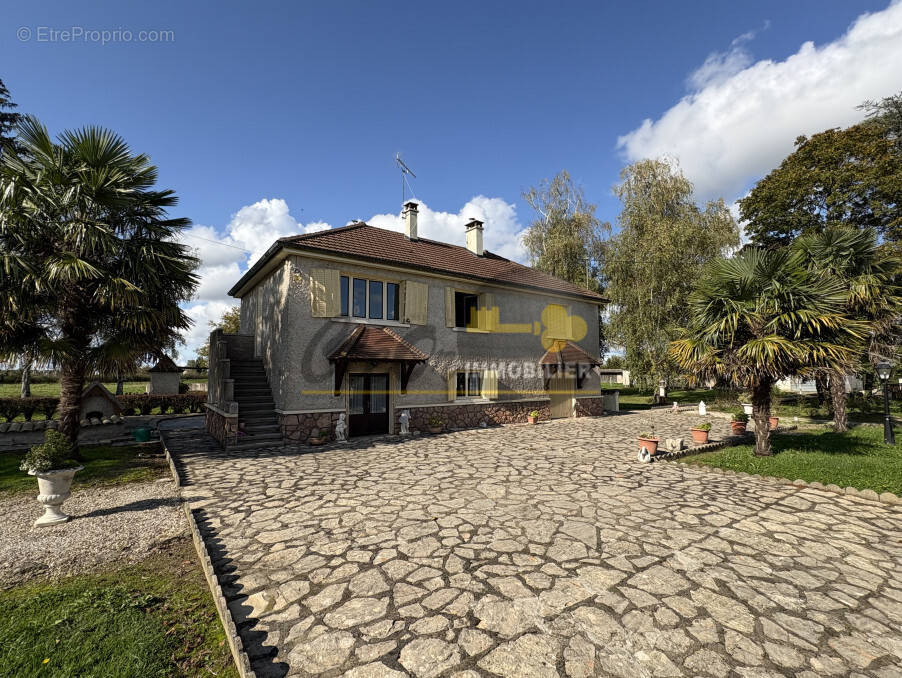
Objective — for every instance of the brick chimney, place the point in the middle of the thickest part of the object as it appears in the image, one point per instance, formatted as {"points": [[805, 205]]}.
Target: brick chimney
{"points": [[474, 237], [409, 216]]}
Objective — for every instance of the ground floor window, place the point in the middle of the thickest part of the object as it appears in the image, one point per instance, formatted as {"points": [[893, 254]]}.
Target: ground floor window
{"points": [[469, 384]]}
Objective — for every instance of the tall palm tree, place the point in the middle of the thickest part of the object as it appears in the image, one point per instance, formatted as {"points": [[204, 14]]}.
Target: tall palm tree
{"points": [[868, 274], [90, 274], [762, 316]]}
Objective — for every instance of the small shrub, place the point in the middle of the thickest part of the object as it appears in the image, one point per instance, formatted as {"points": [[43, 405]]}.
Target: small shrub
{"points": [[183, 387], [314, 433], [648, 436], [740, 416], [703, 427], [435, 421], [50, 455], [534, 414]]}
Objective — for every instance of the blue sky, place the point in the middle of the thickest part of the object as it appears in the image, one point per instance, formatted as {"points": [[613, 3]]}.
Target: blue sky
{"points": [[269, 118]]}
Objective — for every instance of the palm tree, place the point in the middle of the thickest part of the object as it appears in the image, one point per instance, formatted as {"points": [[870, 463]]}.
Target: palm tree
{"points": [[90, 274], [868, 275], [759, 317]]}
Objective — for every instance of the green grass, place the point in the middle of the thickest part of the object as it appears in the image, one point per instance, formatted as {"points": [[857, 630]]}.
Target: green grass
{"points": [[151, 620], [632, 398], [102, 466], [857, 458], [52, 390]]}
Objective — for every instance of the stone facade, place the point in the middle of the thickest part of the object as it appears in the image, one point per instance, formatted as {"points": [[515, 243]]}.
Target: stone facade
{"points": [[471, 415], [297, 427], [590, 407], [221, 427]]}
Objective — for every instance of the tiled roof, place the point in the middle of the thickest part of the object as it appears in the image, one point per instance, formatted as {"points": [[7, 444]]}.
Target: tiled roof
{"points": [[368, 243], [165, 364], [565, 352], [368, 342]]}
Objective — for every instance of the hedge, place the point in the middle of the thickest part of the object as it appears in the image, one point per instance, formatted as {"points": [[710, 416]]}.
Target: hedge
{"points": [[138, 403]]}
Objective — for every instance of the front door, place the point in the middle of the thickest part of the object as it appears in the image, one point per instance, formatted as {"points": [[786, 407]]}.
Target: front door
{"points": [[560, 390], [368, 404]]}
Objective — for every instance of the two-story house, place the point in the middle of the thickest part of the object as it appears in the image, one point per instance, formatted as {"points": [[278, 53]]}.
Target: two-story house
{"points": [[370, 322]]}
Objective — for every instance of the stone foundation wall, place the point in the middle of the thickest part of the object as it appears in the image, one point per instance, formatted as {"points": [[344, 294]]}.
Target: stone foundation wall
{"points": [[590, 407], [297, 427], [472, 415], [224, 429]]}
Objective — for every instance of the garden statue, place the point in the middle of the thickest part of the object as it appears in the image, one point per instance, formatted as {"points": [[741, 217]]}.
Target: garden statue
{"points": [[676, 407], [702, 410], [341, 429], [644, 455], [405, 422]]}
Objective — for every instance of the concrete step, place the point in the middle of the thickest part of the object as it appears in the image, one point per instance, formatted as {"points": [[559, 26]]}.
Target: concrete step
{"points": [[256, 408], [257, 429], [254, 440]]}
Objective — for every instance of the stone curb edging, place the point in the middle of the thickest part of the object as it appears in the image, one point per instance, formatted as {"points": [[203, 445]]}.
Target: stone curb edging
{"points": [[239, 656]]}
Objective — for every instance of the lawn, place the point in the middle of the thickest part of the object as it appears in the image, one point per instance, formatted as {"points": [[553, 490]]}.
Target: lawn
{"points": [[102, 466], [151, 620], [641, 399], [52, 389], [857, 458]]}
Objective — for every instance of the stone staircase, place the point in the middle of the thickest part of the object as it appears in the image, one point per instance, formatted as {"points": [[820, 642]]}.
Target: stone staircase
{"points": [[256, 408]]}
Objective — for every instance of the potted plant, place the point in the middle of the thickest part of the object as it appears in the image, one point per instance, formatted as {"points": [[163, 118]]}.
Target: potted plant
{"points": [[773, 422], [532, 417], [435, 424], [317, 437], [649, 441], [51, 464], [700, 433], [738, 422]]}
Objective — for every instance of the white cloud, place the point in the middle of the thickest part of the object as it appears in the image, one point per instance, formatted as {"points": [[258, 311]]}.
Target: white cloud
{"points": [[226, 255], [503, 232], [740, 119]]}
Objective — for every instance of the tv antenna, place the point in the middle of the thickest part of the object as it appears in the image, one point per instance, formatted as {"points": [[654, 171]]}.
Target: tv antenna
{"points": [[405, 170]]}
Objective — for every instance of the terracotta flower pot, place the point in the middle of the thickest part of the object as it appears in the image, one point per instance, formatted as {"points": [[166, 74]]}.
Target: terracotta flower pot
{"points": [[699, 436], [773, 421], [317, 441], [532, 420], [435, 429], [738, 427], [650, 444]]}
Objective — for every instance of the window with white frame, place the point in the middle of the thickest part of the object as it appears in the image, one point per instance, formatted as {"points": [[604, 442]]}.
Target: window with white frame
{"points": [[372, 299], [469, 384]]}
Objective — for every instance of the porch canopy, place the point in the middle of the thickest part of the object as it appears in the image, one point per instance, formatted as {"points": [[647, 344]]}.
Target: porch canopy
{"points": [[564, 355], [375, 344]]}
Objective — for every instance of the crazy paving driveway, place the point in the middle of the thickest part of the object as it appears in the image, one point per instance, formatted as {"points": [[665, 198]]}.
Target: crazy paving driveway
{"points": [[543, 551]]}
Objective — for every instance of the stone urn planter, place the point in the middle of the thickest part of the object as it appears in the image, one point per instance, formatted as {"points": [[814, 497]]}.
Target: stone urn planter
{"points": [[773, 422], [747, 408], [53, 489], [700, 434], [650, 443]]}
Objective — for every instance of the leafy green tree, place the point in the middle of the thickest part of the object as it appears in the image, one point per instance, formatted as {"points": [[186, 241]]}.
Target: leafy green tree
{"points": [[565, 239], [847, 177], [868, 275], [230, 323], [762, 316], [90, 273], [9, 119], [655, 259]]}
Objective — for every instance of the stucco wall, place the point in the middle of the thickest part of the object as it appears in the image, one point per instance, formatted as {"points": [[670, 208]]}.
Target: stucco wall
{"points": [[294, 345]]}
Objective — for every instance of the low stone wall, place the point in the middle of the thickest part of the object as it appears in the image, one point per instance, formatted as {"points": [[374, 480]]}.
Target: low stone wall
{"points": [[471, 415], [296, 427], [221, 427], [590, 407]]}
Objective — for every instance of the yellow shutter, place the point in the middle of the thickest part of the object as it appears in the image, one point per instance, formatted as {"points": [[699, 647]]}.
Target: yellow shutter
{"points": [[490, 384], [452, 385], [449, 307], [415, 302], [489, 318], [554, 317], [325, 297]]}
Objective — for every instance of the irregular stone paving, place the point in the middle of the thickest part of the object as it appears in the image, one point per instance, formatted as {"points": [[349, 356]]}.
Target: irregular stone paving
{"points": [[541, 551]]}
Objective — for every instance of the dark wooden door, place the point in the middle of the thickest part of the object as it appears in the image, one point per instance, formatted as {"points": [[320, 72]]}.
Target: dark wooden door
{"points": [[368, 404]]}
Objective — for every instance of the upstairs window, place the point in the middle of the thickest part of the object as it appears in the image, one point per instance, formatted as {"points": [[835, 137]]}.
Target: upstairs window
{"points": [[374, 299], [466, 309], [392, 301], [359, 298]]}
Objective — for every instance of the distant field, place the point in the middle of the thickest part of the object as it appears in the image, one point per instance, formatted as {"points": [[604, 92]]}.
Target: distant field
{"points": [[53, 389]]}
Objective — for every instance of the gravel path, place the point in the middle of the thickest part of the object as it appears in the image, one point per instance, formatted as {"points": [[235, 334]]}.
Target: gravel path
{"points": [[121, 523]]}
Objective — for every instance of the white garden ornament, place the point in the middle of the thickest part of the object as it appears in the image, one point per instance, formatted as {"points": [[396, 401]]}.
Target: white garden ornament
{"points": [[405, 422], [341, 429], [702, 408], [53, 489]]}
